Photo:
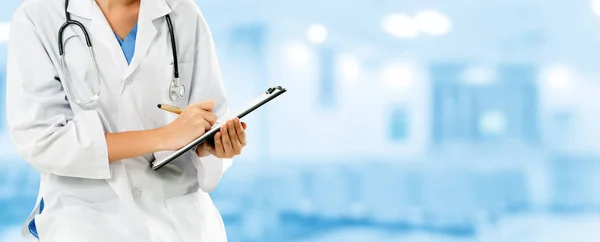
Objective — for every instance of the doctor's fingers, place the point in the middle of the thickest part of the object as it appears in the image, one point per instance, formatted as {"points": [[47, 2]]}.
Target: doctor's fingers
{"points": [[236, 145], [210, 117], [196, 113], [198, 122], [218, 150], [204, 105], [240, 131], [227, 147], [207, 125]]}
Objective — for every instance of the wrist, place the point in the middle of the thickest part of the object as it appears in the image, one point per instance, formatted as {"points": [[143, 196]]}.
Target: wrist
{"points": [[160, 139]]}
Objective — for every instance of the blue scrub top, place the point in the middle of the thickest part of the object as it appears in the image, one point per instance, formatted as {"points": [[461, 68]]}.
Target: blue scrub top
{"points": [[128, 47], [128, 44]]}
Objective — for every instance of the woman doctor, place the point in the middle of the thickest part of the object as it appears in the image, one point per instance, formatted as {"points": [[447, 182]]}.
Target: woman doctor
{"points": [[88, 121]]}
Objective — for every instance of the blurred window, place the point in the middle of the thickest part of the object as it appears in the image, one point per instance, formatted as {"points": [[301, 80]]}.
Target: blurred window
{"points": [[501, 106], [398, 124], [326, 77]]}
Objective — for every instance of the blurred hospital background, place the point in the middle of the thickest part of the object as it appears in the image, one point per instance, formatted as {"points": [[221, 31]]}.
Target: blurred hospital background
{"points": [[420, 121]]}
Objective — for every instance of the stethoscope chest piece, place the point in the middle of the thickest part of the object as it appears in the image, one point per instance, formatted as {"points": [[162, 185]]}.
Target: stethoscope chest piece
{"points": [[176, 89]]}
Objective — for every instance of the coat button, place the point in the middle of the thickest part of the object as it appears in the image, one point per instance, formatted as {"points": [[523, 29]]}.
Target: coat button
{"points": [[137, 192]]}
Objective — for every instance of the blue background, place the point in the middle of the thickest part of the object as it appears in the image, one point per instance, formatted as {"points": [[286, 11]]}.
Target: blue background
{"points": [[424, 121]]}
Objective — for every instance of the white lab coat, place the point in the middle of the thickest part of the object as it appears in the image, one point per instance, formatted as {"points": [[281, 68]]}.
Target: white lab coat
{"points": [[86, 198]]}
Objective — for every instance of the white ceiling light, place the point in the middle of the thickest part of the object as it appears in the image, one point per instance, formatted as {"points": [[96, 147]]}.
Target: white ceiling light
{"points": [[400, 26], [399, 75], [433, 22], [557, 77], [595, 5], [316, 34], [4, 30], [493, 123], [299, 55], [348, 68], [479, 75]]}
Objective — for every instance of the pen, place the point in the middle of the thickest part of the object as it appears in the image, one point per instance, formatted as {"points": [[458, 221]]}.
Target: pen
{"points": [[169, 108]]}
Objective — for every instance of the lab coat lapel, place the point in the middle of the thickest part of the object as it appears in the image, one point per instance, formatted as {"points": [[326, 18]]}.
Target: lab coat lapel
{"points": [[104, 42], [150, 11], [104, 35]]}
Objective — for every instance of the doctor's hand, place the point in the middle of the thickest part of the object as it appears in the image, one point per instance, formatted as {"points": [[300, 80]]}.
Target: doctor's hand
{"points": [[229, 142], [192, 123]]}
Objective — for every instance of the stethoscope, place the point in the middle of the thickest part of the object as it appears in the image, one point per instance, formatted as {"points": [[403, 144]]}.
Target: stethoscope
{"points": [[176, 89]]}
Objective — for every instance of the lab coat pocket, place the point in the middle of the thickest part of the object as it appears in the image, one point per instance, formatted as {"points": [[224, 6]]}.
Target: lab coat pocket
{"points": [[196, 218]]}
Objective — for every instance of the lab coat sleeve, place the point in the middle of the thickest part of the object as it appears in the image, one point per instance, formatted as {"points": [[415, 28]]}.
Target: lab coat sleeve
{"points": [[42, 126], [207, 84]]}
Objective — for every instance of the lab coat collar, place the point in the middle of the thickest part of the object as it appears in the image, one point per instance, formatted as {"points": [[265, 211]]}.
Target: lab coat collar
{"points": [[150, 10], [81, 8], [154, 9]]}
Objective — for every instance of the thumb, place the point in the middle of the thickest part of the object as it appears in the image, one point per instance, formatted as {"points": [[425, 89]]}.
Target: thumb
{"points": [[244, 125]]}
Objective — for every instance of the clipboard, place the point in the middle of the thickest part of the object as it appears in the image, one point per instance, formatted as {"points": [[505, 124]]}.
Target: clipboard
{"points": [[261, 100]]}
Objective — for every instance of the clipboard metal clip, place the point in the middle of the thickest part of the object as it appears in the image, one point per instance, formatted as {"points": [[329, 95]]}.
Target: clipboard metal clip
{"points": [[272, 89]]}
